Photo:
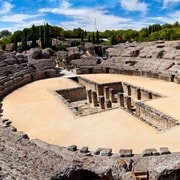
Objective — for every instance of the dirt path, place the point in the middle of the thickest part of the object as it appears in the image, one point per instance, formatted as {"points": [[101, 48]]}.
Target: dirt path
{"points": [[37, 110]]}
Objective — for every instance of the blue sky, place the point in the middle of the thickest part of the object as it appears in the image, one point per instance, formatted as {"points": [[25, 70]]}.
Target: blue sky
{"points": [[70, 14]]}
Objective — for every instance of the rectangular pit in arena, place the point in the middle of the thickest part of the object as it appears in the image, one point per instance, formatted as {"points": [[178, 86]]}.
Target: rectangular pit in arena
{"points": [[92, 97]]}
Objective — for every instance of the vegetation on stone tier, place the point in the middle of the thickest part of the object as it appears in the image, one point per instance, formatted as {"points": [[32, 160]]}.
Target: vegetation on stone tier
{"points": [[28, 37]]}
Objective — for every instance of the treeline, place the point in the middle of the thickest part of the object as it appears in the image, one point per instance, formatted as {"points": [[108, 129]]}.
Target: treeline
{"points": [[28, 37], [151, 33]]}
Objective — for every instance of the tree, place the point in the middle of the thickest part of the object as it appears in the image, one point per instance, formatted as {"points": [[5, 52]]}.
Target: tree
{"points": [[82, 36], [56, 31], [16, 36], [166, 26], [144, 32], [68, 34], [113, 40], [154, 36], [3, 42], [47, 37], [129, 35], [77, 32], [168, 34], [93, 39], [97, 37], [24, 41], [42, 36], [15, 47], [34, 44], [118, 38], [176, 24], [5, 34]]}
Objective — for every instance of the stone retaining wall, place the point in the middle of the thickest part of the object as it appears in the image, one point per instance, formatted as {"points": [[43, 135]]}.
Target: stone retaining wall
{"points": [[73, 94], [157, 75], [139, 93]]}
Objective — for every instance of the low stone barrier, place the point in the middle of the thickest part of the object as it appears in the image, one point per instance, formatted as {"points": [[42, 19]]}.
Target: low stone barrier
{"points": [[154, 117], [123, 153]]}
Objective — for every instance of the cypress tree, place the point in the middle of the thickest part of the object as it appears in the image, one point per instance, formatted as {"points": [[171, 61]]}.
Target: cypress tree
{"points": [[82, 35], [97, 37], [15, 45], [33, 37], [42, 36], [93, 40], [47, 36], [24, 41]]}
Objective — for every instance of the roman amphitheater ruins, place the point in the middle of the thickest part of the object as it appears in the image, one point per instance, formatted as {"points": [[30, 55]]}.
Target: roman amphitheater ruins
{"points": [[116, 106]]}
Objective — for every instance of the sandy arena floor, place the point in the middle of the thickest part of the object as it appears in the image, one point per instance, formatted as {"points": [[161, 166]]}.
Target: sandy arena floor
{"points": [[37, 110]]}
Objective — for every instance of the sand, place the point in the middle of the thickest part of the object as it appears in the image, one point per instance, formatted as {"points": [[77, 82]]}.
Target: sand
{"points": [[37, 110]]}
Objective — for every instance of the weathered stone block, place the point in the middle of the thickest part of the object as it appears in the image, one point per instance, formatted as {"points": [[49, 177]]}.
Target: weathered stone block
{"points": [[72, 148], [84, 149], [125, 152], [147, 152], [6, 121], [97, 152], [150, 152], [164, 150], [106, 152]]}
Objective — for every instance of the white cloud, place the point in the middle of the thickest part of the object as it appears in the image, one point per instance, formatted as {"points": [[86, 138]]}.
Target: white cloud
{"points": [[166, 3], [17, 18], [84, 17], [169, 18], [65, 4], [6, 8], [134, 5]]}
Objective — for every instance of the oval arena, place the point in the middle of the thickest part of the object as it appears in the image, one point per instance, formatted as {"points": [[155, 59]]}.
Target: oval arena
{"points": [[38, 110], [100, 107]]}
